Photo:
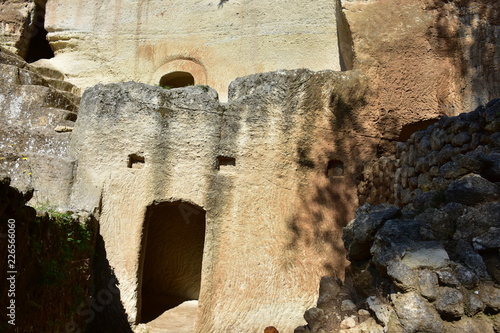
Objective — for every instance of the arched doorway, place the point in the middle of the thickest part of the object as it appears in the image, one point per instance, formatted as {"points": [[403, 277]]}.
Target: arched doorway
{"points": [[172, 255], [177, 80]]}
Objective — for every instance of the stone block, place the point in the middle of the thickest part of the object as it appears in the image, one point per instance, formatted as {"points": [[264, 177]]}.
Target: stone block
{"points": [[416, 314], [428, 284], [429, 255], [487, 241], [449, 303], [471, 190], [360, 233]]}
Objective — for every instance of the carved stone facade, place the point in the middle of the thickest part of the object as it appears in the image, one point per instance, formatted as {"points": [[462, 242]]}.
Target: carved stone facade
{"points": [[250, 196]]}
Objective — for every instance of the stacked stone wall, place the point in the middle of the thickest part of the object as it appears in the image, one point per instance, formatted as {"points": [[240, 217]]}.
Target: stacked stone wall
{"points": [[432, 158], [378, 181]]}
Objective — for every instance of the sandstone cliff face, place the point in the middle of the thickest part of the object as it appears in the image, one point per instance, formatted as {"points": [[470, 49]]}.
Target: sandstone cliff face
{"points": [[214, 41], [37, 110], [424, 59], [272, 172]]}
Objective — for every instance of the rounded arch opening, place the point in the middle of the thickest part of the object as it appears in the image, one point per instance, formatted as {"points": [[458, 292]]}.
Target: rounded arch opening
{"points": [[171, 257], [177, 79]]}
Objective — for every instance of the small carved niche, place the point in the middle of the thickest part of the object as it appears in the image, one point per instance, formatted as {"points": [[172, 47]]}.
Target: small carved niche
{"points": [[335, 169], [135, 161], [225, 162]]}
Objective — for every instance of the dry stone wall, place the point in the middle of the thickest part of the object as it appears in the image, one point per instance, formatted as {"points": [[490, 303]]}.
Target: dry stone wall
{"points": [[431, 159], [377, 183]]}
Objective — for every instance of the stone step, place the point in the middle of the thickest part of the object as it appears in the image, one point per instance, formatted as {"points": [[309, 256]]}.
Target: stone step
{"points": [[56, 79], [71, 92], [63, 85], [40, 75], [9, 58], [61, 100], [44, 67], [74, 98], [29, 77], [180, 319]]}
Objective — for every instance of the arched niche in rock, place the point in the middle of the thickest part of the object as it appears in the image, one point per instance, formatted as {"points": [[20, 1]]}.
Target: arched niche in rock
{"points": [[177, 79], [181, 72]]}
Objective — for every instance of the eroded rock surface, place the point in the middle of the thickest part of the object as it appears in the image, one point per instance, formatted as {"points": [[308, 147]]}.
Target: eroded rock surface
{"points": [[424, 59], [214, 41], [34, 101], [16, 22]]}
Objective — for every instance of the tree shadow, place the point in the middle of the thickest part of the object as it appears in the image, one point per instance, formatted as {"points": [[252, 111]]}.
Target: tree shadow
{"points": [[330, 156]]}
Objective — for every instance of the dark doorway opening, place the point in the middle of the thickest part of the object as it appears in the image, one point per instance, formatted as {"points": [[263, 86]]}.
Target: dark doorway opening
{"points": [[39, 47], [172, 255], [177, 80]]}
